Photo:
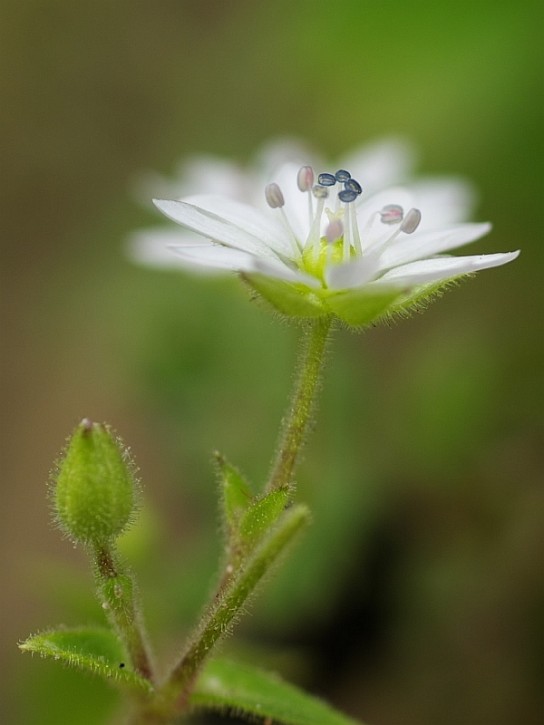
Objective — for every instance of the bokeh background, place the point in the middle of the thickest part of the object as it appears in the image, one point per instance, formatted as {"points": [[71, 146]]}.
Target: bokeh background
{"points": [[418, 596]]}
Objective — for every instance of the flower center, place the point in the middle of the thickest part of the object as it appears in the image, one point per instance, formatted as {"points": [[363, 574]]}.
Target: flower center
{"points": [[342, 240]]}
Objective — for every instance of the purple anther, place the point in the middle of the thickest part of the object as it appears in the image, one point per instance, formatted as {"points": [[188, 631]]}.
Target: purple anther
{"points": [[411, 221], [305, 178], [391, 214], [274, 197]]}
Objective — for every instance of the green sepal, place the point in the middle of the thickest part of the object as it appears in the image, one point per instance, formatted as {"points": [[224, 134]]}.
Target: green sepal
{"points": [[289, 298], [227, 685], [90, 649], [235, 493], [260, 516], [422, 296], [360, 306]]}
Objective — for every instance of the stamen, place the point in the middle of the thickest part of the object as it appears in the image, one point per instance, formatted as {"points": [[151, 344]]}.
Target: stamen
{"points": [[305, 178], [326, 179], [411, 221], [356, 240], [409, 224], [320, 192], [274, 196], [347, 195], [342, 175], [391, 214], [275, 200], [353, 185], [346, 246]]}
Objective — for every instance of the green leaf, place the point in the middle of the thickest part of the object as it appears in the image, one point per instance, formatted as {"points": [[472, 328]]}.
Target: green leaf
{"points": [[89, 649], [292, 299], [236, 492], [224, 684], [359, 307], [260, 516]]}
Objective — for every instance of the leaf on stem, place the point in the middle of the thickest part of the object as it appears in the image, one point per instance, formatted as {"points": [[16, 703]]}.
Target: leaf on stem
{"points": [[261, 516], [227, 685], [246, 517], [89, 649], [236, 493]]}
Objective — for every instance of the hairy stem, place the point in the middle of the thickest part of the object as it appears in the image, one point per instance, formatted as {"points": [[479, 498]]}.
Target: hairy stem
{"points": [[224, 610], [117, 593], [296, 422], [235, 589]]}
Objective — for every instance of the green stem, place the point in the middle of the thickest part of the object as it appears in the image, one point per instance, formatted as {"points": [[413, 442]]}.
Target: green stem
{"points": [[216, 623], [174, 696], [117, 592], [295, 424]]}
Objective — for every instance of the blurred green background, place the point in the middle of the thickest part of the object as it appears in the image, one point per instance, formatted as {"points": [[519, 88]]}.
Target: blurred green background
{"points": [[418, 596]]}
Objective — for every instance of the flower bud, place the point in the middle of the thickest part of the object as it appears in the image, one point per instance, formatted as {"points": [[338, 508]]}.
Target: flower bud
{"points": [[94, 489]]}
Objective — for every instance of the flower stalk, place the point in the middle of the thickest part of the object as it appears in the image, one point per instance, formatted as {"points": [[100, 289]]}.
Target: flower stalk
{"points": [[296, 422], [236, 587], [116, 589]]}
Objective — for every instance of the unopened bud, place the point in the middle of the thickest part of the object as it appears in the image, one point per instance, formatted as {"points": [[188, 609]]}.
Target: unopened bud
{"points": [[94, 489]]}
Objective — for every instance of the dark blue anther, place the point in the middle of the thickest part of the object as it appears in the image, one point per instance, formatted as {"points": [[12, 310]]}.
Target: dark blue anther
{"points": [[352, 185], [347, 195], [326, 179], [342, 175]]}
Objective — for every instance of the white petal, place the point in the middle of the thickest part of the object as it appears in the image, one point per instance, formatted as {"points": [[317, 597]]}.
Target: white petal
{"points": [[442, 268], [296, 201], [214, 256], [152, 246], [212, 226], [263, 225], [278, 270], [443, 201], [383, 163], [409, 247], [352, 274]]}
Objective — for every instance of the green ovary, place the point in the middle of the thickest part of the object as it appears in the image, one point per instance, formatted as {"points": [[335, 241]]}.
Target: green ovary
{"points": [[314, 261]]}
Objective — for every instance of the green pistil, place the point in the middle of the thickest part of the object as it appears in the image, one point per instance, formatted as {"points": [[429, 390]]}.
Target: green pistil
{"points": [[314, 262]]}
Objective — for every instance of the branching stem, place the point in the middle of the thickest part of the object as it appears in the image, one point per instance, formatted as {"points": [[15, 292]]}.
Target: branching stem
{"points": [[173, 696]]}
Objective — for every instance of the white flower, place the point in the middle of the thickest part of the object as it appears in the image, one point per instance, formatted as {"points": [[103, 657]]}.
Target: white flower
{"points": [[333, 243]]}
